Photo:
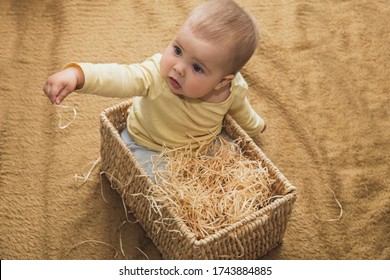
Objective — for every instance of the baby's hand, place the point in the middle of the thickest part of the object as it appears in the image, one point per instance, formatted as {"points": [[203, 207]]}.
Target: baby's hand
{"points": [[265, 126], [61, 84], [257, 138]]}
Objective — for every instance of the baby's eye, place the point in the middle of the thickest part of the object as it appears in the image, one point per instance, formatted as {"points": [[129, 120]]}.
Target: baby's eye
{"points": [[197, 68], [177, 50]]}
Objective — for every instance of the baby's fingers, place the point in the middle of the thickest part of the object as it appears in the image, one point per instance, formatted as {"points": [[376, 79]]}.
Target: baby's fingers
{"points": [[52, 91], [49, 91], [62, 93]]}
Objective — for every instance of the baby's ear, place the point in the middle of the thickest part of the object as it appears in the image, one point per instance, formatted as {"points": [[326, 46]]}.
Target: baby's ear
{"points": [[225, 80]]}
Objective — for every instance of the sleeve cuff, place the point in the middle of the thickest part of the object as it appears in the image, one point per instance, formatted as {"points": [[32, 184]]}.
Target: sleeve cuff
{"points": [[74, 64]]}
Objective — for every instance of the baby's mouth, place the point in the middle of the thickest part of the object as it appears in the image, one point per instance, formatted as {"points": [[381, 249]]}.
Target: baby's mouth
{"points": [[175, 84]]}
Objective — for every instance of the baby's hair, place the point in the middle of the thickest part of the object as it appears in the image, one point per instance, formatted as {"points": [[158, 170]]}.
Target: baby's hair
{"points": [[226, 23]]}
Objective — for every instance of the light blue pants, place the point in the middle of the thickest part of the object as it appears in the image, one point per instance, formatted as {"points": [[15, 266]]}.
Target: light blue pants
{"points": [[142, 154]]}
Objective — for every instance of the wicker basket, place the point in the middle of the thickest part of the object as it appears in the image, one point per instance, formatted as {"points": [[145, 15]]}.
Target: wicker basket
{"points": [[249, 238]]}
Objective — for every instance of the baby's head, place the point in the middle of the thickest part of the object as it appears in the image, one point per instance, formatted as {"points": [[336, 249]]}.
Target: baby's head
{"points": [[213, 44], [227, 25]]}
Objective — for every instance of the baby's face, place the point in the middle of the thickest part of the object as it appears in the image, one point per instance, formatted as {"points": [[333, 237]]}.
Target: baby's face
{"points": [[193, 67]]}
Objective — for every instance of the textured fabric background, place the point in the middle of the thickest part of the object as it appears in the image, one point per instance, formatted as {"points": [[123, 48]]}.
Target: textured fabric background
{"points": [[320, 79]]}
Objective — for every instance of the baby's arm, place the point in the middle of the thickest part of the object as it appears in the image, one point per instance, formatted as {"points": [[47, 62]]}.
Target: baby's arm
{"points": [[61, 84], [246, 117]]}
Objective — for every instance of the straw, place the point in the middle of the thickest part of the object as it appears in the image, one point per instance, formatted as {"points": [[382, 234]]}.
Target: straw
{"points": [[213, 189], [63, 106]]}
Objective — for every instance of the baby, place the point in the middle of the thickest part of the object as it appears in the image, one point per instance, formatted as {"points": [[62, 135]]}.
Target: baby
{"points": [[184, 93]]}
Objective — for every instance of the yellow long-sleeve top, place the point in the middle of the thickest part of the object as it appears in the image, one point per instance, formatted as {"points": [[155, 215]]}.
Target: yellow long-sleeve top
{"points": [[160, 118]]}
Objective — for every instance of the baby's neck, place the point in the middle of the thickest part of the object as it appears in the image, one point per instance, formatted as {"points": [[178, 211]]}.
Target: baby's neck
{"points": [[217, 96]]}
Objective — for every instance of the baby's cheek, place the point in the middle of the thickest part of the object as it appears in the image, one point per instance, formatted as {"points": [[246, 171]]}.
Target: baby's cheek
{"points": [[164, 65]]}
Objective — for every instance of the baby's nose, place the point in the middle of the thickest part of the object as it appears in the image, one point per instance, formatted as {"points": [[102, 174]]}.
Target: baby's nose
{"points": [[179, 68]]}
